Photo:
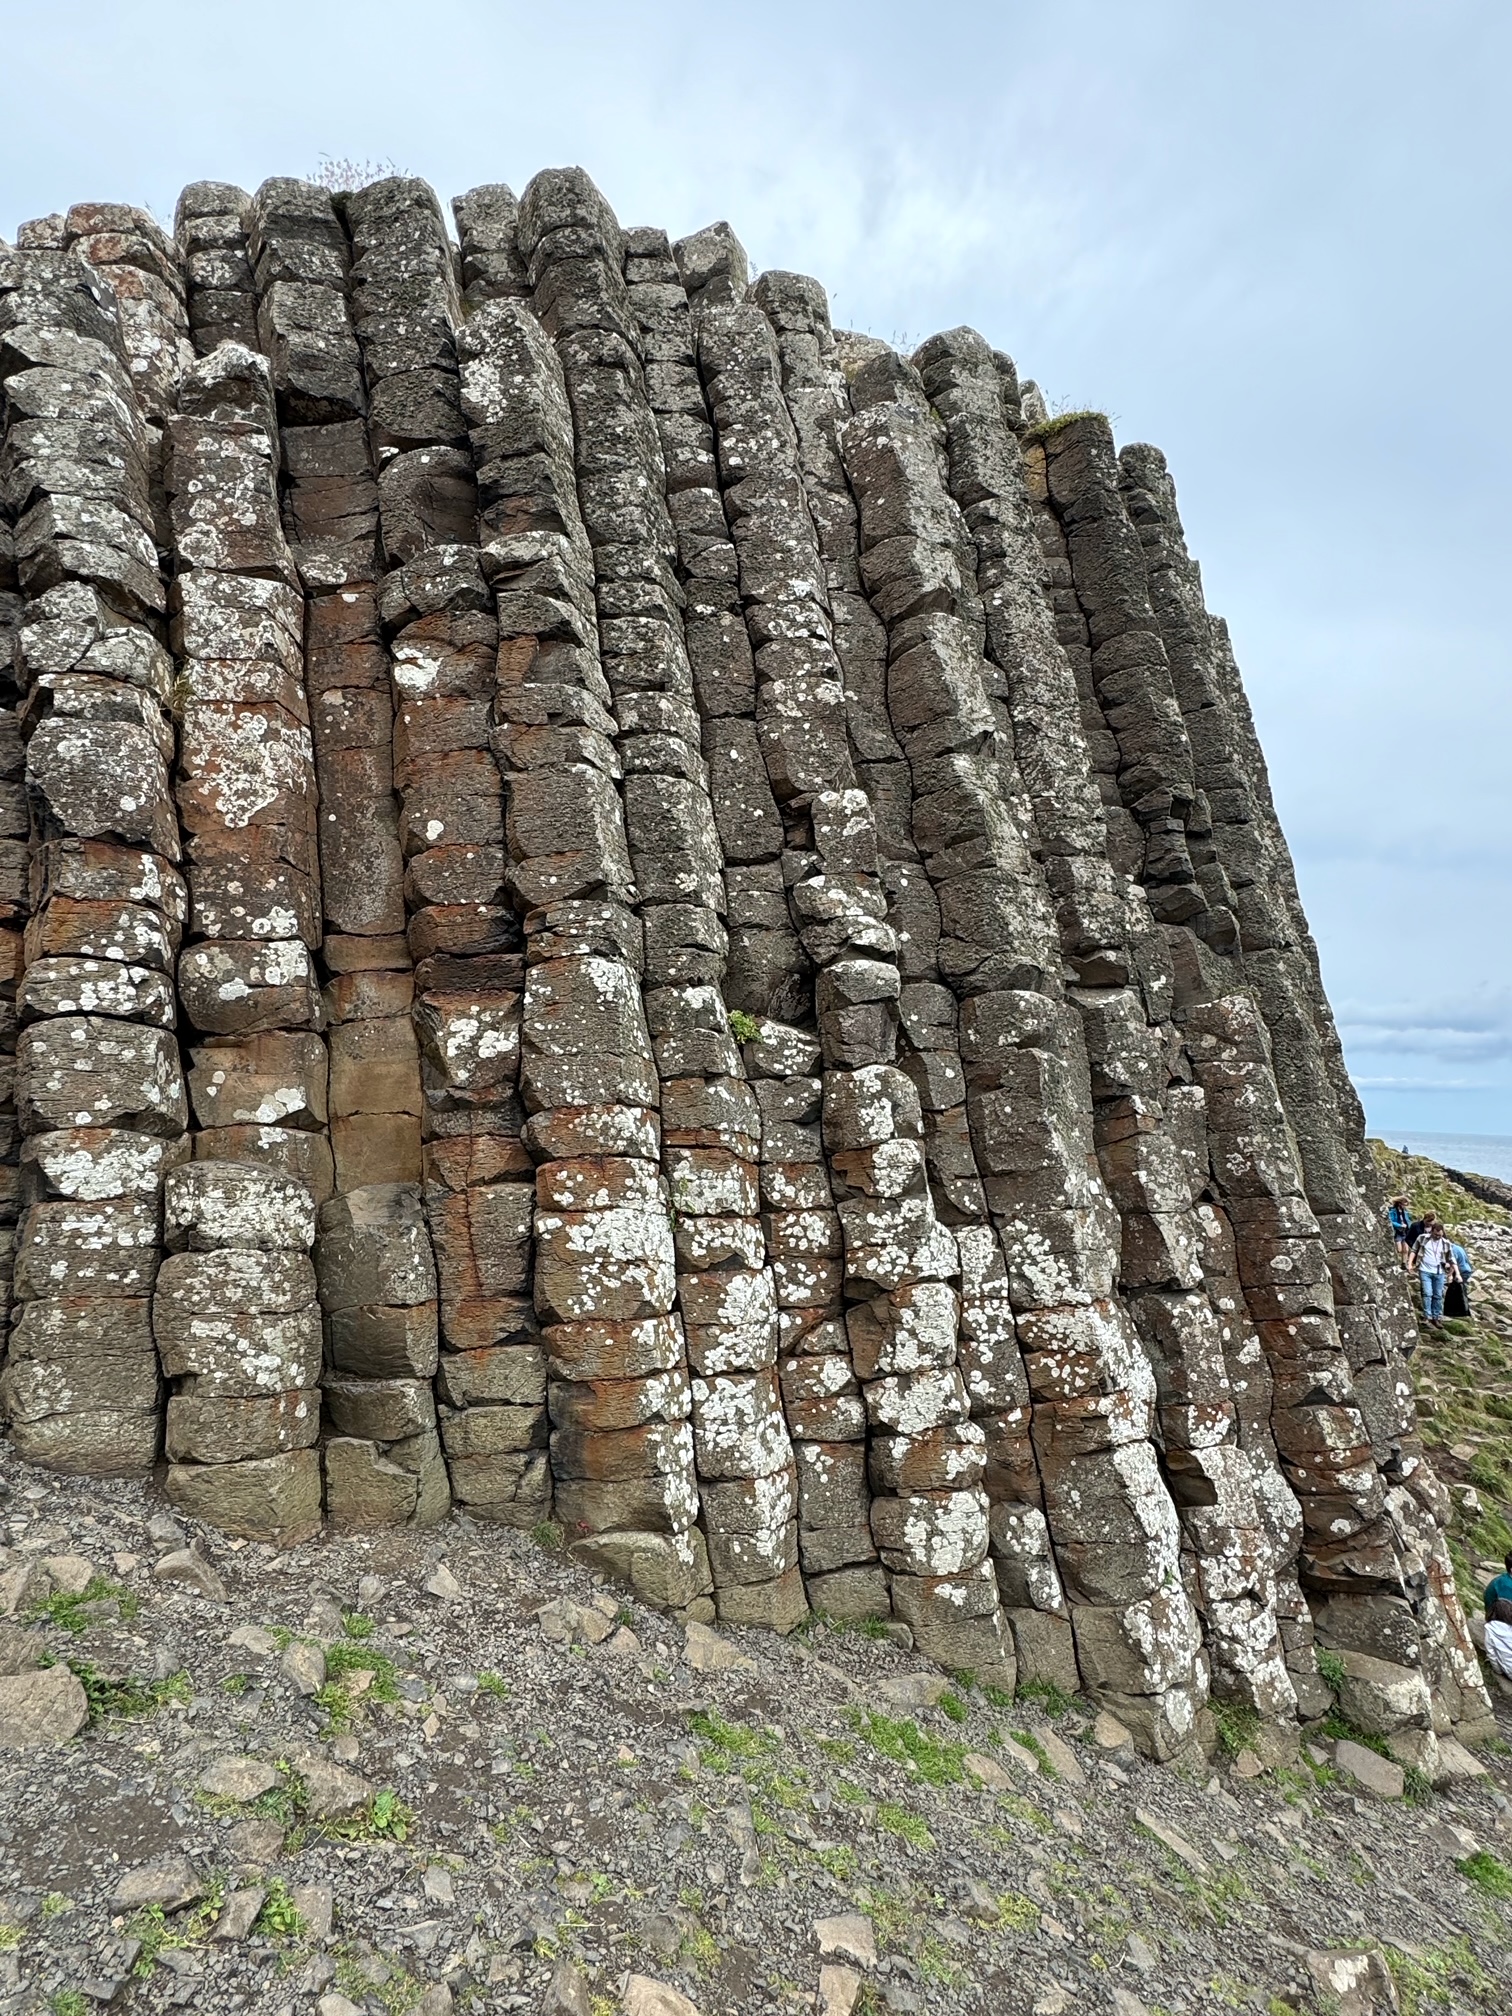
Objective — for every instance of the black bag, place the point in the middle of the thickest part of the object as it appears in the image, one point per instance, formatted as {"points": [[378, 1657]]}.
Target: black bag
{"points": [[1454, 1299]]}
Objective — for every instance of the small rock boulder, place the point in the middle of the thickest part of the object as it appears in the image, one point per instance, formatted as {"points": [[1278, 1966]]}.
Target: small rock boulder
{"points": [[1378, 1775], [170, 1882], [190, 1568], [1354, 1983], [645, 1997], [41, 1709], [238, 1778], [846, 1937]]}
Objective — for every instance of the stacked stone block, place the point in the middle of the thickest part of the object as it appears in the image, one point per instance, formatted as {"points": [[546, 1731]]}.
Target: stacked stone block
{"points": [[210, 225], [238, 1327], [383, 1463], [99, 1095]]}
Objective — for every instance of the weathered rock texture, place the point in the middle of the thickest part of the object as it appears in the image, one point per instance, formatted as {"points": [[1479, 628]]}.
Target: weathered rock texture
{"points": [[710, 897]]}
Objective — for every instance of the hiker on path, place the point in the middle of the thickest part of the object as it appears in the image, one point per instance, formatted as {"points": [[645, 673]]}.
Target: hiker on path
{"points": [[1457, 1294], [1399, 1218], [1433, 1256], [1499, 1588], [1499, 1638]]}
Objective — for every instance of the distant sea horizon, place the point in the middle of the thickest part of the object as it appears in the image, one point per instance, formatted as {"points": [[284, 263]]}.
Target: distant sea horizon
{"points": [[1480, 1154]]}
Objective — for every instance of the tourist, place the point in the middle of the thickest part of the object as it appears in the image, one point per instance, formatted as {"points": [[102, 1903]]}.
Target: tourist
{"points": [[1499, 1588], [1457, 1294], [1434, 1260], [1399, 1218], [1499, 1638]]}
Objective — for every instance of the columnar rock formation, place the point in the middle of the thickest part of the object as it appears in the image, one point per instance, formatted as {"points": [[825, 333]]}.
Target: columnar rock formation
{"points": [[675, 922]]}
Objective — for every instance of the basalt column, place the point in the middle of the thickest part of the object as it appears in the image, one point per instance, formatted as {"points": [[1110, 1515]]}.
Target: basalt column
{"points": [[245, 1414], [438, 614], [239, 1330], [929, 1515], [1111, 1521], [795, 1301], [99, 1091], [1321, 1436], [994, 1448], [710, 1138], [382, 1462], [604, 1282], [1279, 961], [1147, 1115]]}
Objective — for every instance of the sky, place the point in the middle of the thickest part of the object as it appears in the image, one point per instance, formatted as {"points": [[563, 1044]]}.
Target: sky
{"points": [[1271, 239]]}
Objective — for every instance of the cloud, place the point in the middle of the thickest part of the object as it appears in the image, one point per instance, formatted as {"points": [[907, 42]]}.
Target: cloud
{"points": [[1421, 1085], [1463, 1032]]}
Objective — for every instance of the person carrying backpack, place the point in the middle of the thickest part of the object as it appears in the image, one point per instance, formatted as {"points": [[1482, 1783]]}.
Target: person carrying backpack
{"points": [[1457, 1294], [1399, 1218], [1433, 1256]]}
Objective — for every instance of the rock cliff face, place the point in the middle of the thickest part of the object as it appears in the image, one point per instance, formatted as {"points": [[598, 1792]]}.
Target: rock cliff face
{"points": [[626, 908]]}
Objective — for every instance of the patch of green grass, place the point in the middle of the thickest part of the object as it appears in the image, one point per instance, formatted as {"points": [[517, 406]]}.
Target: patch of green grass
{"points": [[11, 1937], [344, 1659], [700, 1948], [384, 1818], [235, 1683], [55, 1905], [1330, 1670], [840, 1862], [744, 1028], [1027, 1740], [356, 1625], [547, 1534], [725, 1746], [66, 1611], [895, 1819], [850, 1794], [903, 1742], [839, 1749], [109, 1698], [997, 1697], [494, 1686], [1428, 1977], [1016, 1913], [156, 1932], [278, 1919], [953, 1706], [1025, 1810], [67, 2002], [1238, 1724], [1487, 1872], [1059, 422], [1054, 1701]]}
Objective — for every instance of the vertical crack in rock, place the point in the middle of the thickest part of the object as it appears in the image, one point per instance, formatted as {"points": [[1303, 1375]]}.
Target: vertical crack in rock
{"points": [[99, 1090], [742, 985]]}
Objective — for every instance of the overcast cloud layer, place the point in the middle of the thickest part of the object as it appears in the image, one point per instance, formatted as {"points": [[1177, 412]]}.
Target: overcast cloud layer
{"points": [[1270, 239]]}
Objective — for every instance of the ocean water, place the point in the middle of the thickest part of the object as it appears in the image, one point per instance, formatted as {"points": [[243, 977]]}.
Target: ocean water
{"points": [[1481, 1154]]}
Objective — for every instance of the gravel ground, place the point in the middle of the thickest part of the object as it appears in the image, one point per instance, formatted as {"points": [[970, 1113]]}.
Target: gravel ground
{"points": [[454, 1771]]}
